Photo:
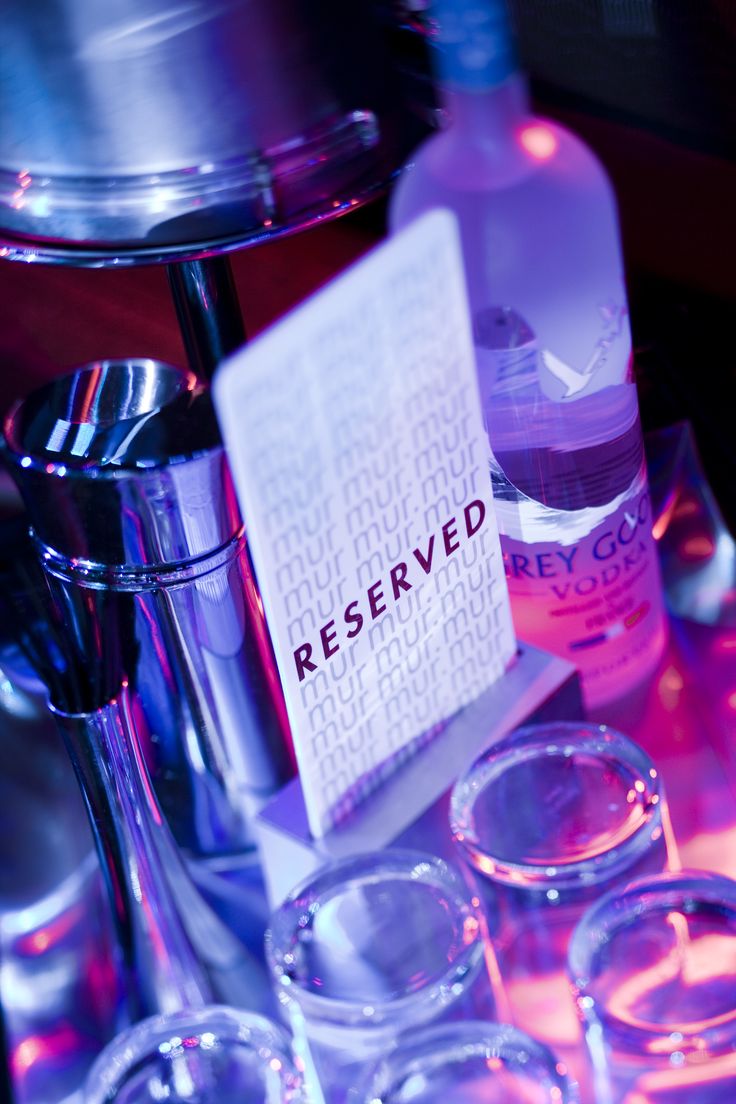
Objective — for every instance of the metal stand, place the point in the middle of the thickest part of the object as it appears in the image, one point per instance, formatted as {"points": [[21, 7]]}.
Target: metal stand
{"points": [[208, 311]]}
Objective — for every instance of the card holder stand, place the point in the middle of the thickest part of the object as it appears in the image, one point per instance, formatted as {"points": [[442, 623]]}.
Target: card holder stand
{"points": [[410, 807]]}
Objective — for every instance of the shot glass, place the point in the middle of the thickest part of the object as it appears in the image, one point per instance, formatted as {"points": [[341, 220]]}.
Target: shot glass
{"points": [[653, 969], [371, 947], [488, 1062], [549, 819], [208, 1055]]}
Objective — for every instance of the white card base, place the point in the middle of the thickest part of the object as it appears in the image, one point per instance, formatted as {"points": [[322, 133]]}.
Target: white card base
{"points": [[410, 806]]}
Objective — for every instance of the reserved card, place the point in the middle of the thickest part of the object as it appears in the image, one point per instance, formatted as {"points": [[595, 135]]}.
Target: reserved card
{"points": [[360, 461]]}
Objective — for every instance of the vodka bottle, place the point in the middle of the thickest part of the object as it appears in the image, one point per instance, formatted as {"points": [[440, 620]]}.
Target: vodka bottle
{"points": [[544, 271]]}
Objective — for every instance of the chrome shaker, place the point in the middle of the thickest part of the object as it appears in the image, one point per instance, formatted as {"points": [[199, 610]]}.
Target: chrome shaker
{"points": [[134, 516]]}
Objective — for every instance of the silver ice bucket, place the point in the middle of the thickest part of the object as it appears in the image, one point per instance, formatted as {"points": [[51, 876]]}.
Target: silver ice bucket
{"points": [[142, 125]]}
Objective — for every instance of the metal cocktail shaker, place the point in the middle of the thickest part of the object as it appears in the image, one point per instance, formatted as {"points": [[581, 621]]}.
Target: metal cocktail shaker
{"points": [[132, 509]]}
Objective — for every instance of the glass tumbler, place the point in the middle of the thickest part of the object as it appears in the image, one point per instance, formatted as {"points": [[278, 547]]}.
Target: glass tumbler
{"points": [[370, 947], [464, 1063], [653, 969], [207, 1055], [549, 819]]}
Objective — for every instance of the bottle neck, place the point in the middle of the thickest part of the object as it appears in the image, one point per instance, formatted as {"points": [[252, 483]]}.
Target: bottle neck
{"points": [[475, 65], [473, 45], [487, 118]]}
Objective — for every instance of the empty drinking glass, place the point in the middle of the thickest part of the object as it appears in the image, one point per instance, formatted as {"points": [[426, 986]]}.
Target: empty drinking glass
{"points": [[549, 819], [373, 946], [653, 969], [460, 1063], [207, 1055]]}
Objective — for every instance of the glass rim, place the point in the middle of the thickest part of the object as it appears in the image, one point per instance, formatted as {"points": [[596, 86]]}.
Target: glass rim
{"points": [[619, 907], [355, 868], [426, 1049], [115, 1061], [536, 741]]}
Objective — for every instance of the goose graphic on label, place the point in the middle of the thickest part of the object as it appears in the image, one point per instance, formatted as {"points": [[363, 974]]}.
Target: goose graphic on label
{"points": [[572, 379]]}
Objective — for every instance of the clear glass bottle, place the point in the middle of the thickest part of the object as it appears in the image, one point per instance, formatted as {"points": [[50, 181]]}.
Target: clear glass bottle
{"points": [[543, 262]]}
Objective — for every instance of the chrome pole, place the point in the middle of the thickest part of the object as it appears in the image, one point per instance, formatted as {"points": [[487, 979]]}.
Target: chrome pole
{"points": [[208, 311]]}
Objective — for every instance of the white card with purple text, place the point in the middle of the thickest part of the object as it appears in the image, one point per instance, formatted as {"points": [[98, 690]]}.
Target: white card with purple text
{"points": [[360, 460]]}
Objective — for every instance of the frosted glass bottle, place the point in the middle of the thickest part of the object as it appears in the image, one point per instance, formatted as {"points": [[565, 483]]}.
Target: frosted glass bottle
{"points": [[545, 281]]}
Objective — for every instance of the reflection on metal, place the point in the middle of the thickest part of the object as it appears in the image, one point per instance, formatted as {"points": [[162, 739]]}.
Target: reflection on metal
{"points": [[207, 307], [174, 952], [133, 513], [140, 131]]}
